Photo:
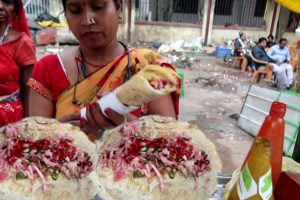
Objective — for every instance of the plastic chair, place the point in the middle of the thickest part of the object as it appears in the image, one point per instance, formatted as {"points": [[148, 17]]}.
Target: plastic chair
{"points": [[258, 73], [237, 59]]}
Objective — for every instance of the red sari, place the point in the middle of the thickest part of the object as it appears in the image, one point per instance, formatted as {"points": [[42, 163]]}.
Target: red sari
{"points": [[13, 55]]}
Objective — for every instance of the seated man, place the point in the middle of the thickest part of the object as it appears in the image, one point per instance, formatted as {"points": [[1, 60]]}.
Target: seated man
{"points": [[284, 71], [259, 52], [241, 46], [270, 41]]}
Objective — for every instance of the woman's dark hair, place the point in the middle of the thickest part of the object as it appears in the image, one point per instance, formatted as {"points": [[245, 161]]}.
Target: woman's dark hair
{"points": [[282, 39], [117, 4], [271, 36], [17, 6], [241, 34], [260, 40]]}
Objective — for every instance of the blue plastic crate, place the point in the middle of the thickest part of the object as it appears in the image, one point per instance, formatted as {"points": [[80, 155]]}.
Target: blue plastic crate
{"points": [[221, 52]]}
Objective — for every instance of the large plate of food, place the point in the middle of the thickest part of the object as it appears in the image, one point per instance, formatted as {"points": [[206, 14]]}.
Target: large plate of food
{"points": [[157, 158], [44, 159]]}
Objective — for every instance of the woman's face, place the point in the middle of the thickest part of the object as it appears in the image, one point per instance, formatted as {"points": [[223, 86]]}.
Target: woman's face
{"points": [[6, 10], [93, 22]]}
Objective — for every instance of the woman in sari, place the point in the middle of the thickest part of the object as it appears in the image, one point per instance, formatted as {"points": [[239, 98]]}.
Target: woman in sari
{"points": [[62, 84], [17, 57]]}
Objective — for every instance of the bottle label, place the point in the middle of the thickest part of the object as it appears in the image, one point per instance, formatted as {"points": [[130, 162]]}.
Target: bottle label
{"points": [[265, 187], [246, 185]]}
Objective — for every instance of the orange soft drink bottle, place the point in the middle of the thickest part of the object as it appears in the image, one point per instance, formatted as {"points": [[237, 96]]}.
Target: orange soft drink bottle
{"points": [[255, 180], [273, 130]]}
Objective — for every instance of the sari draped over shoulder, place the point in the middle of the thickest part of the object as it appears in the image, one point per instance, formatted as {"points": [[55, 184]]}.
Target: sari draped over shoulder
{"points": [[87, 89]]}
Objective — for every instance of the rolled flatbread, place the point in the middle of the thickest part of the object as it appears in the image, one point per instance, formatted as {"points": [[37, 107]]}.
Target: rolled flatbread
{"points": [[157, 158], [149, 83], [152, 81], [44, 159]]}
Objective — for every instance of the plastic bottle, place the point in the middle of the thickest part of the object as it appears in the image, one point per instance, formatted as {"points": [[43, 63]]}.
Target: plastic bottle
{"points": [[273, 130], [255, 180]]}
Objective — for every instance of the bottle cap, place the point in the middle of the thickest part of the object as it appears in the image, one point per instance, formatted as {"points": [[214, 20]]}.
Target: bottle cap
{"points": [[278, 109]]}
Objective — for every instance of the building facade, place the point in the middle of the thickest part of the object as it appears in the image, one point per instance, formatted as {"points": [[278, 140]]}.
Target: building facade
{"points": [[215, 21]]}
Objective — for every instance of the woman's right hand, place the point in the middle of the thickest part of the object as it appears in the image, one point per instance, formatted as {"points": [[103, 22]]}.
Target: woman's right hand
{"points": [[96, 121]]}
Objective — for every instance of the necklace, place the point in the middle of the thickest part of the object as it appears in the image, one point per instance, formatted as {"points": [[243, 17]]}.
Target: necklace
{"points": [[79, 62], [4, 34], [83, 62]]}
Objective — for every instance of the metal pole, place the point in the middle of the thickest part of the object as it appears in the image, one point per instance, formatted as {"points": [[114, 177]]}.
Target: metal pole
{"points": [[273, 25], [208, 21]]}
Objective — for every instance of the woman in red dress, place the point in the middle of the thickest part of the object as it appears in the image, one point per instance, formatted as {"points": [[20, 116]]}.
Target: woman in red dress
{"points": [[17, 57]]}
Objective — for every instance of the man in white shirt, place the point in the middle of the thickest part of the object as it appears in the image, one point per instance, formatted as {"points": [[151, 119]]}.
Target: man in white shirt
{"points": [[282, 68]]}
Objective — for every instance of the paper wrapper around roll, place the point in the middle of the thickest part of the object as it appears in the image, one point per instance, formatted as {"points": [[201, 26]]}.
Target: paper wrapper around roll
{"points": [[111, 101]]}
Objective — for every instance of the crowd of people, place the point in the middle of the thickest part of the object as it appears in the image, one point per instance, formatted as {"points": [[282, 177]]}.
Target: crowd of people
{"points": [[277, 56], [60, 85]]}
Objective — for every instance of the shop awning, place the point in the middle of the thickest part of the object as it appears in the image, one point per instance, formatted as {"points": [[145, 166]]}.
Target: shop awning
{"points": [[293, 5]]}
